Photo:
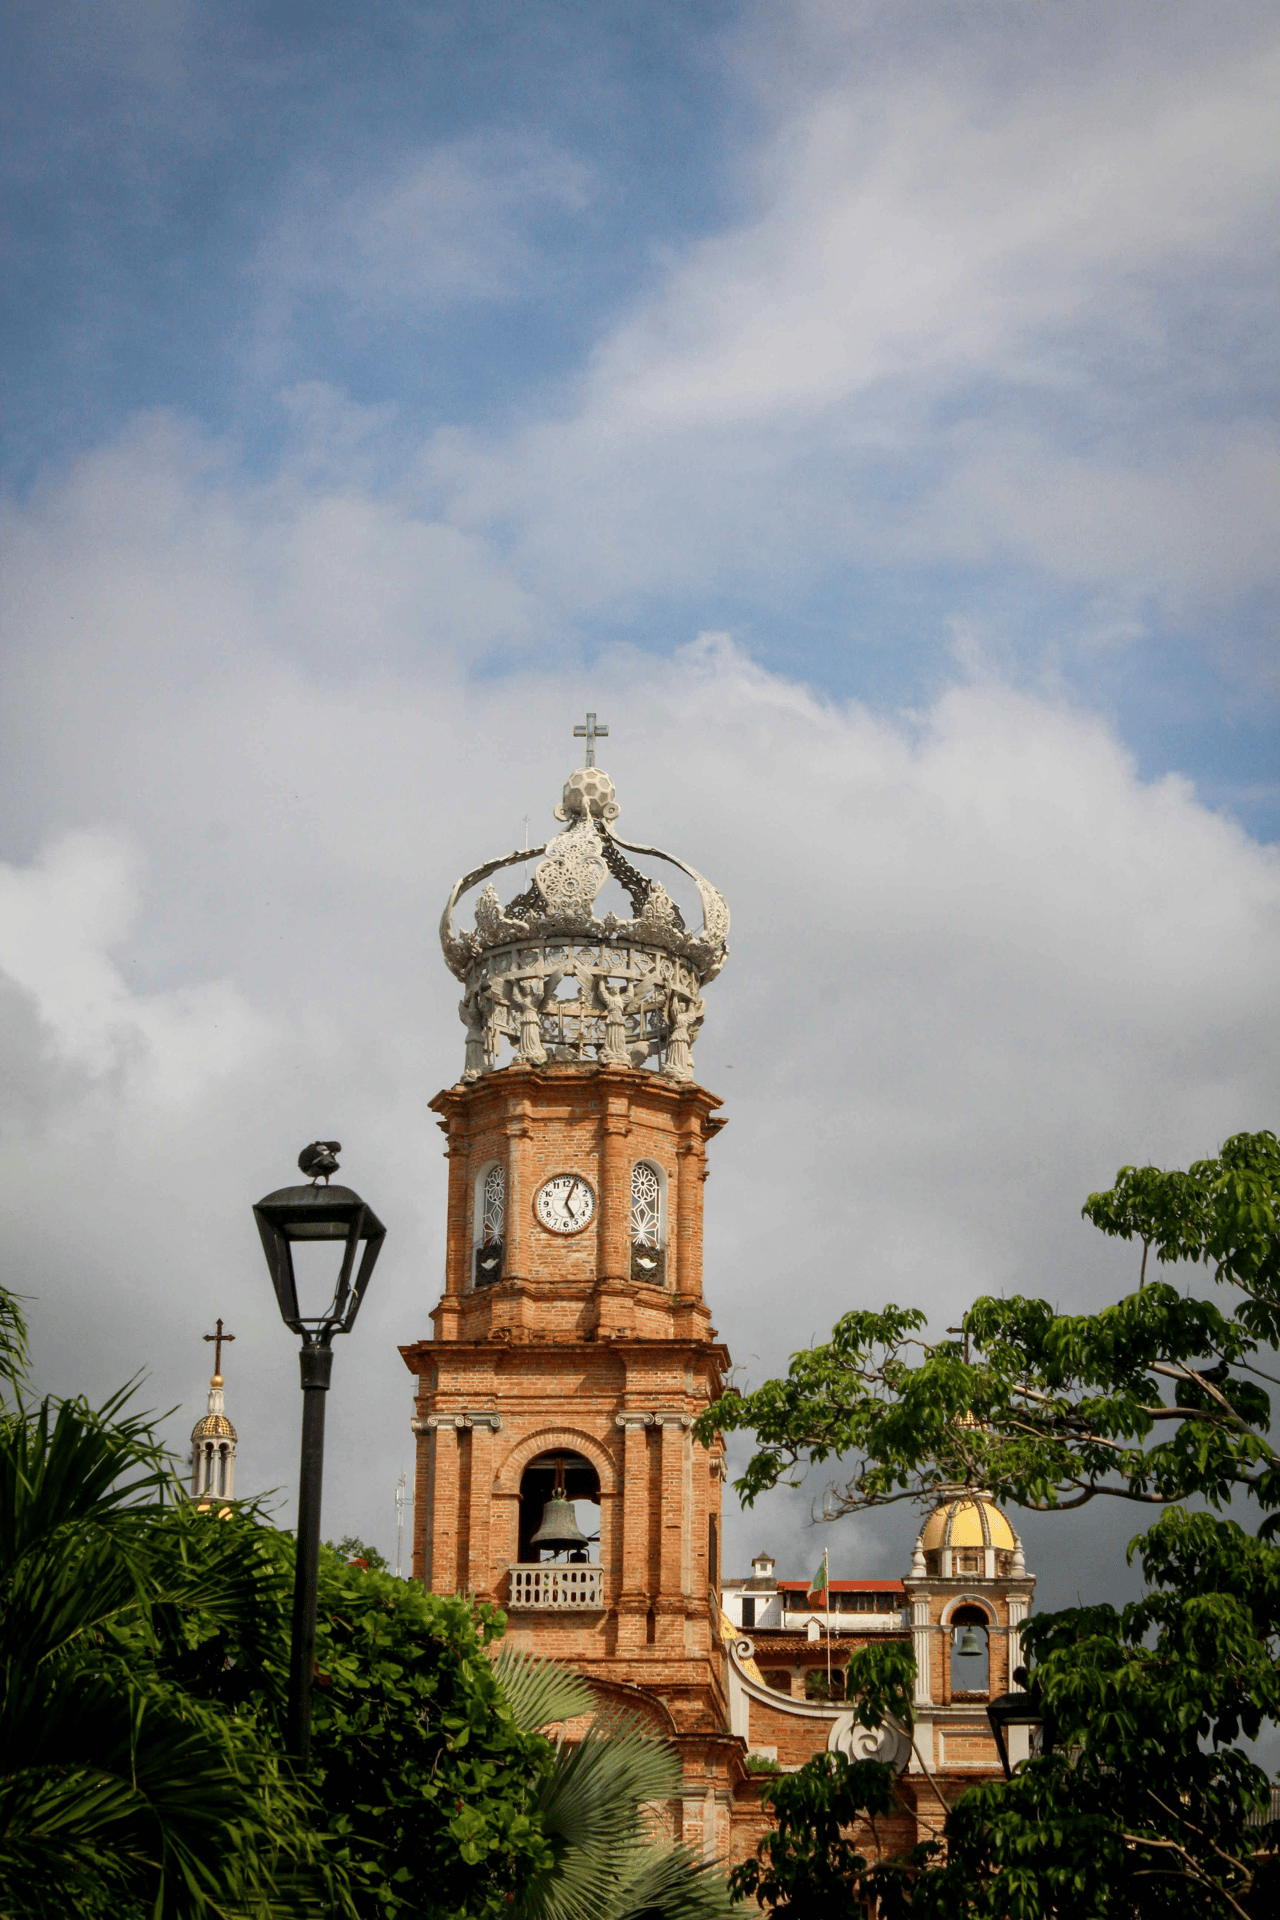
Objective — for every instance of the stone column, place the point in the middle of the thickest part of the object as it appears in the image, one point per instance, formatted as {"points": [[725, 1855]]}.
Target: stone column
{"points": [[457, 1259], [686, 1509], [1017, 1614], [481, 1578], [615, 1182], [686, 1240], [517, 1229], [671, 1522], [423, 1501], [633, 1513], [921, 1643], [442, 1574]]}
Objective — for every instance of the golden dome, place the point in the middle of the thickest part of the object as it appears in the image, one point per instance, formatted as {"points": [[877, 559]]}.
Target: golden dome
{"points": [[967, 1520], [214, 1426]]}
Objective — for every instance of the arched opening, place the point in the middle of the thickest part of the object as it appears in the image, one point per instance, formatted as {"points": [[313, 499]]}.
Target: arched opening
{"points": [[777, 1679], [817, 1686], [970, 1651], [573, 1476], [648, 1223]]}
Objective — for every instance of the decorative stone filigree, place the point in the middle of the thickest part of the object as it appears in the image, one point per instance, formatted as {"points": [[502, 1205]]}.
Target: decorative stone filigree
{"points": [[638, 998], [889, 1743]]}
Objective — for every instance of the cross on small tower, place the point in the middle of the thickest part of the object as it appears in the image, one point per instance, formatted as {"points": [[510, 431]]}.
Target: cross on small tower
{"points": [[591, 733], [219, 1337]]}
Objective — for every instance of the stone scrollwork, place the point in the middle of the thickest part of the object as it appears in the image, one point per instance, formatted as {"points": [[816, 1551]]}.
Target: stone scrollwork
{"points": [[887, 1742], [637, 983]]}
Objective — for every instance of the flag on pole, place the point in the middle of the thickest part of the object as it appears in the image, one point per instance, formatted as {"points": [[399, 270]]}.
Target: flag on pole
{"points": [[819, 1582]]}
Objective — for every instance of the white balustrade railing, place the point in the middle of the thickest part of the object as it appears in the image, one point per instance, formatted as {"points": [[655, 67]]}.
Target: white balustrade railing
{"points": [[561, 1587]]}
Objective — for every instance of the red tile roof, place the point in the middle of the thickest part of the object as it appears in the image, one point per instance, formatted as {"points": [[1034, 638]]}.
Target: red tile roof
{"points": [[843, 1586]]}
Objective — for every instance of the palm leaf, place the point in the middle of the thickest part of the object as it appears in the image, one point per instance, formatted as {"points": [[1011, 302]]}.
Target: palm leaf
{"points": [[670, 1883], [541, 1691], [122, 1791], [590, 1805], [14, 1352]]}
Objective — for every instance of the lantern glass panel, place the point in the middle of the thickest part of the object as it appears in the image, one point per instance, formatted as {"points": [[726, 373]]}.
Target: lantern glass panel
{"points": [[316, 1266]]}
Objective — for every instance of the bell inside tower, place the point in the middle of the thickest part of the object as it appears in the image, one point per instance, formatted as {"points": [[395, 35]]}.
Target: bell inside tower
{"points": [[550, 1489]]}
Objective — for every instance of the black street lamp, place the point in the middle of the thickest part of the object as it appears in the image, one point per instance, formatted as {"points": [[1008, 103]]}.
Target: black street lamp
{"points": [[308, 1214], [1021, 1709]]}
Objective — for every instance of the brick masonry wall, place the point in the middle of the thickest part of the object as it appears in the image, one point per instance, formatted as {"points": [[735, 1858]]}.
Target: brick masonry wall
{"points": [[567, 1352]]}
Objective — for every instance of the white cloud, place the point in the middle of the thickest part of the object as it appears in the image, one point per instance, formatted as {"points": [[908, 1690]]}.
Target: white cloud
{"points": [[978, 962], [958, 318], [436, 227]]}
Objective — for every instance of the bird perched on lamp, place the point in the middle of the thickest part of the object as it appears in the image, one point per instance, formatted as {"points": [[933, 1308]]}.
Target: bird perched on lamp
{"points": [[320, 1159]]}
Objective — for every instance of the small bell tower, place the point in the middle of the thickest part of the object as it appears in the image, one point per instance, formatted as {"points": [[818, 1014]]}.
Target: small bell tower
{"points": [[969, 1593], [213, 1439], [557, 1471]]}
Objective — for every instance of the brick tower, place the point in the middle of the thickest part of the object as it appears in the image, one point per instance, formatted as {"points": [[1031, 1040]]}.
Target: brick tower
{"points": [[557, 1473]]}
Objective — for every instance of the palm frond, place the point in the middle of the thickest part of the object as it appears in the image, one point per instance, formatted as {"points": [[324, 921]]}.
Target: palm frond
{"points": [[66, 1464], [14, 1351], [670, 1883], [590, 1805], [139, 1790], [541, 1691], [126, 1786]]}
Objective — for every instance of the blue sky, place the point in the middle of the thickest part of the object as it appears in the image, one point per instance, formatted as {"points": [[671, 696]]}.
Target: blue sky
{"points": [[869, 409], [463, 214]]}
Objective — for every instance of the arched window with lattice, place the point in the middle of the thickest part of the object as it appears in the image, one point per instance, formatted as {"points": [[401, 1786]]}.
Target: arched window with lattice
{"points": [[648, 1224], [490, 1222]]}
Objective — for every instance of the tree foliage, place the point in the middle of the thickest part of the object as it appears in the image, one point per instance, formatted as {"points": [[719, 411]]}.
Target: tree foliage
{"points": [[129, 1783], [352, 1547], [428, 1778], [1160, 1399], [144, 1647]]}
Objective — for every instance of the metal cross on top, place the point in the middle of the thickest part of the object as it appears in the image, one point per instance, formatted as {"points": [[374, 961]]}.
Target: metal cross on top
{"points": [[591, 733], [220, 1337]]}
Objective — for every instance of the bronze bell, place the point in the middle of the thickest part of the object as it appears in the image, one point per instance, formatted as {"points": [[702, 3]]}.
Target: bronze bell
{"points": [[967, 1644], [559, 1529]]}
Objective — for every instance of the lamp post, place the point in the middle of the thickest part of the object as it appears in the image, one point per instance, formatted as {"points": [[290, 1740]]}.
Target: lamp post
{"points": [[314, 1213], [1020, 1709]]}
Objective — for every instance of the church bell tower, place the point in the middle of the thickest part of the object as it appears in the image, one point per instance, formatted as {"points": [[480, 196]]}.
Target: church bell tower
{"points": [[557, 1471]]}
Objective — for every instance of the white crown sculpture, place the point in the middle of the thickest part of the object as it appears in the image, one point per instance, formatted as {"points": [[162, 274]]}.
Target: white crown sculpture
{"points": [[638, 998]]}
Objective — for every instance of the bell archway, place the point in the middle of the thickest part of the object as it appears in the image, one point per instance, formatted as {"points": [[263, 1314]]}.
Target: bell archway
{"points": [[555, 1487]]}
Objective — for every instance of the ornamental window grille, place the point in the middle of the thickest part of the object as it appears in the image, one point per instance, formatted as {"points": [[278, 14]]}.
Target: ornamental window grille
{"points": [[493, 1205], [646, 1205]]}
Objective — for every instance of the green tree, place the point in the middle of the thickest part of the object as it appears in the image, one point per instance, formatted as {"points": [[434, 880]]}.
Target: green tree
{"points": [[1159, 1400], [351, 1547], [143, 1669], [428, 1779], [130, 1784]]}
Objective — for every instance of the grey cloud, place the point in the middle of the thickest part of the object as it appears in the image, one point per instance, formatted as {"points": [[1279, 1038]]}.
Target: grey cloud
{"points": [[978, 962]]}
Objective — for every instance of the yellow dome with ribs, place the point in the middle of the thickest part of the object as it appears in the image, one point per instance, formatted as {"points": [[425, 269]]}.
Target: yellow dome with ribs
{"points": [[967, 1520]]}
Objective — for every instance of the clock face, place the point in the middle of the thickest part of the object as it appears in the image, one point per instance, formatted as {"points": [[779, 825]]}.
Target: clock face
{"points": [[565, 1203]]}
